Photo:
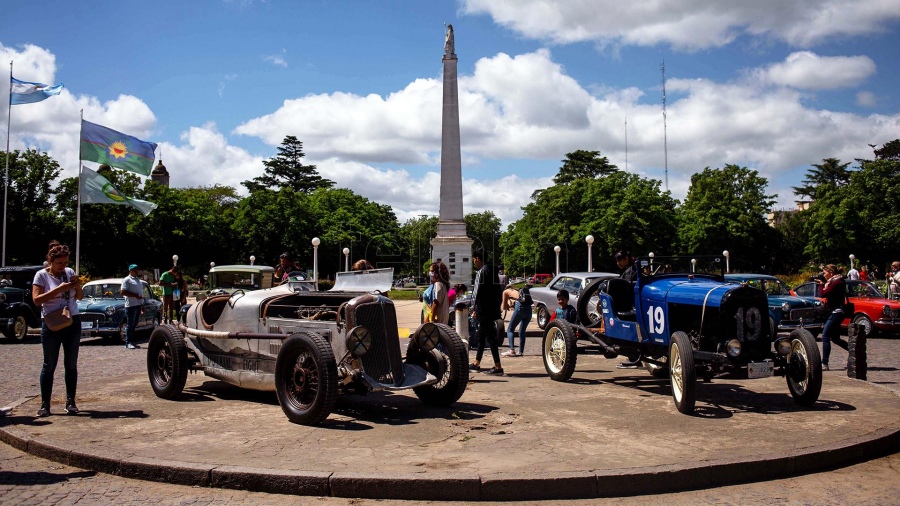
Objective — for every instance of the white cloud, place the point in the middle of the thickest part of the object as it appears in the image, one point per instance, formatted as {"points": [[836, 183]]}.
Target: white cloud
{"points": [[866, 99], [687, 24], [807, 70], [277, 59]]}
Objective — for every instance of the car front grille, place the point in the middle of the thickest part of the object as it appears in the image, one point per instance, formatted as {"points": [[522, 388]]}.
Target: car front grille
{"points": [[383, 362], [93, 317], [805, 313]]}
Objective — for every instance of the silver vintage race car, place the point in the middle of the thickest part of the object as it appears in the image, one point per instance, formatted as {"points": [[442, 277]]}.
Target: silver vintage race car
{"points": [[309, 346]]}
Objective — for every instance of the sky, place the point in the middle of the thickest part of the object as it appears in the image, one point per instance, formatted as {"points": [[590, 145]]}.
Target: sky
{"points": [[770, 85]]}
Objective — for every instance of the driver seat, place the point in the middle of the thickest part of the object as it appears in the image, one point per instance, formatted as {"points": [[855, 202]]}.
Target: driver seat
{"points": [[211, 309], [622, 294]]}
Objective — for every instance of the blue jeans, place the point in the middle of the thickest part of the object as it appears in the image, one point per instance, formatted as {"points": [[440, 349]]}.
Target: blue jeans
{"points": [[832, 331], [521, 317], [70, 340], [132, 314]]}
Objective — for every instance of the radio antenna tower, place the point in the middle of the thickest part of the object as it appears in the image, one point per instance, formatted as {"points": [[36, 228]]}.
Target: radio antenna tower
{"points": [[665, 129], [626, 143]]}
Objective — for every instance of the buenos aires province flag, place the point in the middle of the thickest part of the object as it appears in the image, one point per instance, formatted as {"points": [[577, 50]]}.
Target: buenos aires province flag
{"points": [[96, 189], [105, 145], [24, 92]]}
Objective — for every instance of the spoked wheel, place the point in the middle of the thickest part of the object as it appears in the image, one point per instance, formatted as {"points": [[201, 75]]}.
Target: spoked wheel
{"points": [[682, 372], [865, 324], [448, 362], [560, 350], [589, 313], [167, 362], [306, 378], [18, 330], [804, 369], [543, 317]]}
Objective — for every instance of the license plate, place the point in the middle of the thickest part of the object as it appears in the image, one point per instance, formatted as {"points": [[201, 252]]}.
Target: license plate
{"points": [[759, 370], [87, 325]]}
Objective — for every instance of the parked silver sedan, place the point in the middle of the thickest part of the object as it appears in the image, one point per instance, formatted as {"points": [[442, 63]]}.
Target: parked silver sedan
{"points": [[574, 282]]}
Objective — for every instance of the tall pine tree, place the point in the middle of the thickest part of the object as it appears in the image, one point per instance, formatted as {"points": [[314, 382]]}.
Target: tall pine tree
{"points": [[286, 170]]}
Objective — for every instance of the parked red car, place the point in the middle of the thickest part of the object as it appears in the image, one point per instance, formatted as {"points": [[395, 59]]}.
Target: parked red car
{"points": [[872, 310], [539, 279]]}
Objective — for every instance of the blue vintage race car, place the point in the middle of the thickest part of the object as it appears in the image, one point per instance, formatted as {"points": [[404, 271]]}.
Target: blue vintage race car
{"points": [[686, 322], [786, 312]]}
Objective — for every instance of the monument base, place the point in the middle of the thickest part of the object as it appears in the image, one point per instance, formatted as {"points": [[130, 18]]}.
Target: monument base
{"points": [[456, 252]]}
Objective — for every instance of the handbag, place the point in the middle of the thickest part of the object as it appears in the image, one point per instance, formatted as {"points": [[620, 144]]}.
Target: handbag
{"points": [[59, 319]]}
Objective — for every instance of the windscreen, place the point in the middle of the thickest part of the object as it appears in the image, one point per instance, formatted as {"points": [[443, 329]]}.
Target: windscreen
{"points": [[364, 281]]}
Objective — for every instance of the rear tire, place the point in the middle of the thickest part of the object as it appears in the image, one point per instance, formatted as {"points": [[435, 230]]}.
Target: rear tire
{"points": [[543, 317], [167, 362], [865, 324], [560, 350], [18, 331], [682, 372], [306, 378], [448, 361], [804, 370]]}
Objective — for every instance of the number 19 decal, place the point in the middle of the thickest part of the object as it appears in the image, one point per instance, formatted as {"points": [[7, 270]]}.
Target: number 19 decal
{"points": [[655, 322]]}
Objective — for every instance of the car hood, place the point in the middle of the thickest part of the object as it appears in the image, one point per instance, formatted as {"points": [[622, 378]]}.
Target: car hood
{"points": [[99, 304], [794, 301]]}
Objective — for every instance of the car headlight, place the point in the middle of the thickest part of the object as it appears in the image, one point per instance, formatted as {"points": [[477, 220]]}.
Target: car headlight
{"points": [[427, 340], [786, 307], [886, 309], [783, 346], [359, 341], [110, 311], [733, 348]]}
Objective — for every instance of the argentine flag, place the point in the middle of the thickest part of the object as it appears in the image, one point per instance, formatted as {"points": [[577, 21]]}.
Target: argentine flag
{"points": [[23, 92]]}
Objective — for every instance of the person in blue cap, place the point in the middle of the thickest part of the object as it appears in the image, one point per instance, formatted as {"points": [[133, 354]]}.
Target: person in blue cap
{"points": [[132, 289]]}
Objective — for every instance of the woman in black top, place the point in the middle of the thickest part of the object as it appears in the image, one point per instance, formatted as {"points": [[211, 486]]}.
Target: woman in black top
{"points": [[834, 290]]}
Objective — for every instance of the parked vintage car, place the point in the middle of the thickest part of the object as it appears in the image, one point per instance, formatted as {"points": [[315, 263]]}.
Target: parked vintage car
{"points": [[685, 323], [228, 278], [103, 309], [537, 279], [545, 296], [872, 310], [786, 312], [17, 309], [309, 346]]}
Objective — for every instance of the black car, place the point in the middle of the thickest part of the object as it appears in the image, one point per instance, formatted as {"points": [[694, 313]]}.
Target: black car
{"points": [[17, 309]]}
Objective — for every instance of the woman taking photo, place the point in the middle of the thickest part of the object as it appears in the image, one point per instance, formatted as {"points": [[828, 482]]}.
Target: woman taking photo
{"points": [[54, 288]]}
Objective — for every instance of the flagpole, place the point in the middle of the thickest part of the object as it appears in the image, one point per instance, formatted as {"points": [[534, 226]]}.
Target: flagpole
{"points": [[6, 172], [78, 211]]}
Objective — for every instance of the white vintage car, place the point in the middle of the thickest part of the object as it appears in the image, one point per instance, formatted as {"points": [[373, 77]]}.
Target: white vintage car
{"points": [[309, 346]]}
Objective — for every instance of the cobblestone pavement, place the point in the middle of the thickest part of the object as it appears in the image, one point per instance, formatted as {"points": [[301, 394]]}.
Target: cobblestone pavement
{"points": [[25, 479]]}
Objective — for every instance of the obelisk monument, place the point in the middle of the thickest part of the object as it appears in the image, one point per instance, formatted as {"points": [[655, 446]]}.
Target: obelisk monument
{"points": [[451, 245]]}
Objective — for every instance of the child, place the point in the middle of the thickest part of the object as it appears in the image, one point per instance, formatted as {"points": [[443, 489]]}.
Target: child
{"points": [[565, 311]]}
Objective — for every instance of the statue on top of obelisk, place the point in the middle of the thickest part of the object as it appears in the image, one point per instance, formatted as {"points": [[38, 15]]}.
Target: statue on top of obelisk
{"points": [[449, 45]]}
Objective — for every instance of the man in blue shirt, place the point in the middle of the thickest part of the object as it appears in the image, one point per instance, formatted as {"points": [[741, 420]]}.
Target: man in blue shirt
{"points": [[133, 290]]}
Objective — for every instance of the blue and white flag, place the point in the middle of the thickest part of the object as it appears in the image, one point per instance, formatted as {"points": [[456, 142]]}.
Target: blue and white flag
{"points": [[24, 92]]}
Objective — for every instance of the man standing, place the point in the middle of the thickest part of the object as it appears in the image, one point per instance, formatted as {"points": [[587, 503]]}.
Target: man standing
{"points": [[486, 310], [133, 290], [893, 279]]}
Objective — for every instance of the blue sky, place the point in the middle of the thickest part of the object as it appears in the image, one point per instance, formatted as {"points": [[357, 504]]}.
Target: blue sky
{"points": [[771, 85]]}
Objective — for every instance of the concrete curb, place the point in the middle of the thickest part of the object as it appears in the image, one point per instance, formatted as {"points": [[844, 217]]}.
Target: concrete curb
{"points": [[472, 486]]}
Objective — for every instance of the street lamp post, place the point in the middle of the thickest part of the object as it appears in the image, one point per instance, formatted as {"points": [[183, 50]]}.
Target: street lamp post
{"points": [[727, 261], [557, 249], [211, 265], [252, 259], [590, 241], [346, 259], [315, 244], [174, 260]]}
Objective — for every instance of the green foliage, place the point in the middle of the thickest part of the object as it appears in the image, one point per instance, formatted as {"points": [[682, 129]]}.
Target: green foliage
{"points": [[829, 174], [418, 232], [888, 151], [725, 210], [484, 229], [31, 221], [286, 170], [583, 164]]}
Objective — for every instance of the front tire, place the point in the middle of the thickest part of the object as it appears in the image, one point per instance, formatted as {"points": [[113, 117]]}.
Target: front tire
{"points": [[865, 324], [167, 362], [306, 378], [448, 362], [18, 330], [804, 369], [682, 372], [560, 350], [543, 317]]}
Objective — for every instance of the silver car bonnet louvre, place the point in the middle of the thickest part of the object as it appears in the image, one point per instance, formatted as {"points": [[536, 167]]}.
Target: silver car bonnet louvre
{"points": [[383, 362]]}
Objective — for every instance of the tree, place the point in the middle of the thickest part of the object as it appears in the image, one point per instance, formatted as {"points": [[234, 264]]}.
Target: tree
{"points": [[31, 221], [725, 210], [583, 164], [888, 151], [831, 173], [484, 229], [286, 170], [418, 233]]}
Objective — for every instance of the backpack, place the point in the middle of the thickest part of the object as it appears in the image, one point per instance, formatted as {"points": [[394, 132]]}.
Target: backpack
{"points": [[525, 297]]}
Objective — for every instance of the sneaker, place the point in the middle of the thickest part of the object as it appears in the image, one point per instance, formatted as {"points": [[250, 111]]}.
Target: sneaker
{"points": [[71, 408], [44, 411], [824, 367], [131, 346], [510, 353], [495, 371], [473, 367]]}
